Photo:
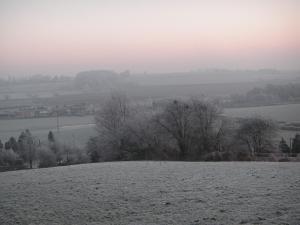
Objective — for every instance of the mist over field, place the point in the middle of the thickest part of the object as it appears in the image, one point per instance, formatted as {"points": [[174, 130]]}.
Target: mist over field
{"points": [[149, 112]]}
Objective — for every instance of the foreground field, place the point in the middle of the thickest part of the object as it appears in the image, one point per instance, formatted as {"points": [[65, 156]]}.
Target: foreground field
{"points": [[153, 193]]}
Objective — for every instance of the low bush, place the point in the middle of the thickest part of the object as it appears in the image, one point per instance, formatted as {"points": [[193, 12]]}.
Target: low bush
{"points": [[46, 158], [243, 156], [9, 160]]}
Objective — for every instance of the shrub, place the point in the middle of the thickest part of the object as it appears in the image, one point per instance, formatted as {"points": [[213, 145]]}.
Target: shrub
{"points": [[258, 134], [284, 160], [213, 156], [243, 156], [46, 158], [80, 156], [227, 156], [9, 160], [73, 155], [92, 149]]}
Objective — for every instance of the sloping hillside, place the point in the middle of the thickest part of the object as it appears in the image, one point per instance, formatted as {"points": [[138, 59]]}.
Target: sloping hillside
{"points": [[153, 193]]}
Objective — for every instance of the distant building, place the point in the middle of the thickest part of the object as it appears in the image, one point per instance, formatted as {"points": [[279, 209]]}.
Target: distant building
{"points": [[6, 115], [24, 114]]}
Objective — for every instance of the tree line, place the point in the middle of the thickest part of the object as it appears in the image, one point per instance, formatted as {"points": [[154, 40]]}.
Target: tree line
{"points": [[182, 129], [29, 152], [270, 94]]}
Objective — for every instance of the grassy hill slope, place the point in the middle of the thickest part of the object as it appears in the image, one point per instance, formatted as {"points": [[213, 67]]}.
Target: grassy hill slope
{"points": [[153, 193]]}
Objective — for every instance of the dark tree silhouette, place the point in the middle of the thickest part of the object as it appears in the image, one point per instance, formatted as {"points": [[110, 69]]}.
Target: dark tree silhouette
{"points": [[51, 137], [14, 144], [27, 145], [284, 147], [257, 133], [176, 119], [296, 144]]}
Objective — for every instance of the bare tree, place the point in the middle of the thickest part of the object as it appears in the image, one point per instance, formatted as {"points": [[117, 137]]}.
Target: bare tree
{"points": [[257, 133], [208, 126], [176, 119], [127, 131], [145, 134], [194, 124], [113, 113], [28, 146], [110, 123]]}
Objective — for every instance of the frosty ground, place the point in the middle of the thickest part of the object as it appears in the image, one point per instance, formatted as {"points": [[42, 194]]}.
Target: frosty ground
{"points": [[153, 193]]}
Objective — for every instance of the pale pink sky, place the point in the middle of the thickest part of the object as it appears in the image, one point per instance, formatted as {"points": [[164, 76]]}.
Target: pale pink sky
{"points": [[65, 36]]}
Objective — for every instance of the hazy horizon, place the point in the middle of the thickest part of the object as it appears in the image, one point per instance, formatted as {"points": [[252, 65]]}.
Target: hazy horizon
{"points": [[66, 37]]}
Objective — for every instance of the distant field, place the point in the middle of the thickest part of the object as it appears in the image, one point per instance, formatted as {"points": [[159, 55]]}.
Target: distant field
{"points": [[139, 193], [73, 130], [287, 113], [284, 113]]}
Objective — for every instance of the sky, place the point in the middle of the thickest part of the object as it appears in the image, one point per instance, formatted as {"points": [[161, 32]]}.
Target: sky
{"points": [[66, 36]]}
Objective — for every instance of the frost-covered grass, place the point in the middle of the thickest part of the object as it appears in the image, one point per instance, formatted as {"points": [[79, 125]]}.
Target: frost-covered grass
{"points": [[153, 193]]}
